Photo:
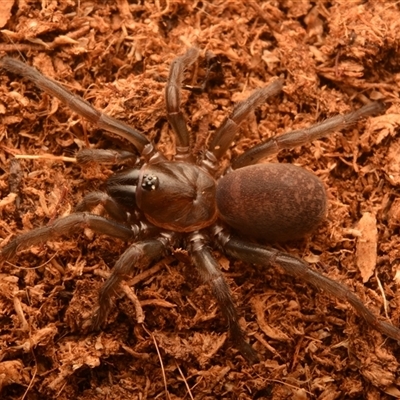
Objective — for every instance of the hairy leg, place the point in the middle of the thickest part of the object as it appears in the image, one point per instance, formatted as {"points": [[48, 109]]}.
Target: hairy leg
{"points": [[261, 255]]}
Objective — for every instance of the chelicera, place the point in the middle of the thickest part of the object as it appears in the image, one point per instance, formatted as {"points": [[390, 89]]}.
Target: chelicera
{"points": [[162, 205]]}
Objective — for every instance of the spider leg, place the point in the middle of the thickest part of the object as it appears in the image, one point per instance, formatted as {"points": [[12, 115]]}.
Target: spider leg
{"points": [[102, 156], [213, 67], [76, 103], [93, 199], [210, 272], [73, 223], [261, 255], [173, 98], [300, 137], [138, 255], [225, 134]]}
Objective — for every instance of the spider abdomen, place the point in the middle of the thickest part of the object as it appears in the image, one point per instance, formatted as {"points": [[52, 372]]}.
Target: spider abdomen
{"points": [[177, 196], [273, 202]]}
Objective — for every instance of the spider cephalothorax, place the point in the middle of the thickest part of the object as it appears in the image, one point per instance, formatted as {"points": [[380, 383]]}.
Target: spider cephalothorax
{"points": [[170, 203]]}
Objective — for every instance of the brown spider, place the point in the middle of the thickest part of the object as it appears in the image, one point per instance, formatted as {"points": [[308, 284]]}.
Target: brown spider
{"points": [[162, 205]]}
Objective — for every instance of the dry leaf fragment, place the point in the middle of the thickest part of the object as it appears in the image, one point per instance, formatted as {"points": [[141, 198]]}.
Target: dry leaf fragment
{"points": [[366, 250], [5, 14], [270, 331]]}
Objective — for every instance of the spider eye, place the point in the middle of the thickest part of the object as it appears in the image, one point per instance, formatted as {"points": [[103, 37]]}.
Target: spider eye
{"points": [[150, 182]]}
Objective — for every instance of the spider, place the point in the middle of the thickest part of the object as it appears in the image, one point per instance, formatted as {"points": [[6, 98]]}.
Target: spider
{"points": [[161, 205]]}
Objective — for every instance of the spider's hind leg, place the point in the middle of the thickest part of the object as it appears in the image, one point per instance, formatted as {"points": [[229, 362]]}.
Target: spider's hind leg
{"points": [[262, 255], [300, 137], [210, 272]]}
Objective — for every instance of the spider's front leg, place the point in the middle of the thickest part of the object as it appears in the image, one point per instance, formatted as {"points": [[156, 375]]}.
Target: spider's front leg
{"points": [[102, 156], [261, 255], [79, 105], [173, 98], [210, 272], [67, 226]]}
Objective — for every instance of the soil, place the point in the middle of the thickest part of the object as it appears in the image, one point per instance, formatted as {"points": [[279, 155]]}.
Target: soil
{"points": [[334, 57]]}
